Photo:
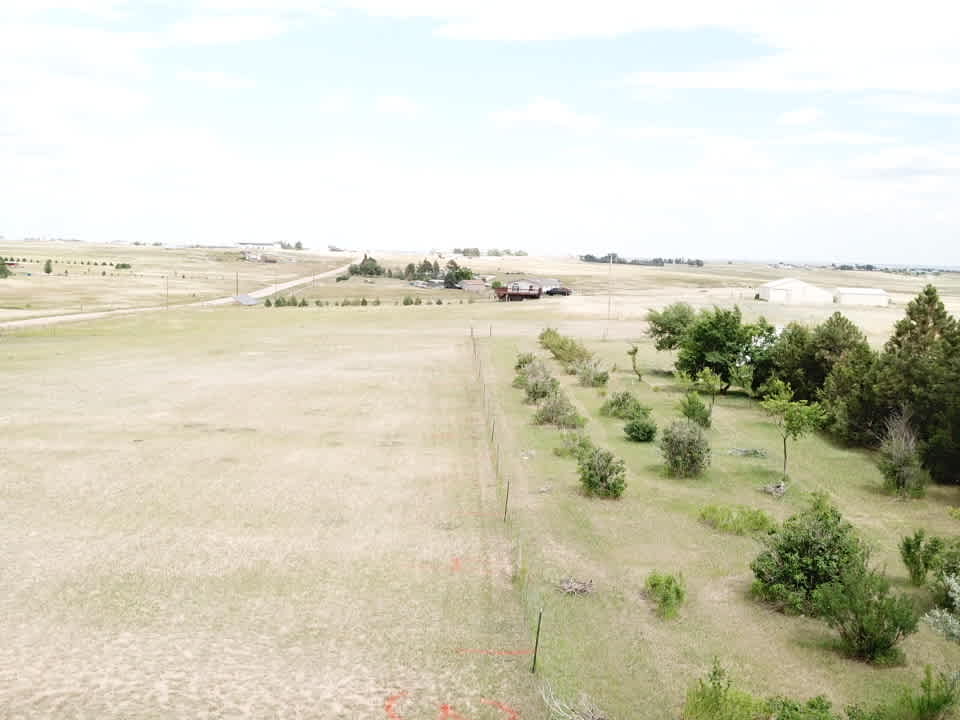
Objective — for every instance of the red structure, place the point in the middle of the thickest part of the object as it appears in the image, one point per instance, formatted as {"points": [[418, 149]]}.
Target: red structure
{"points": [[521, 290]]}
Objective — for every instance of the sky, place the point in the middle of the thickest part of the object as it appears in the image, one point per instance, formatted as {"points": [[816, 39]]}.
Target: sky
{"points": [[811, 131]]}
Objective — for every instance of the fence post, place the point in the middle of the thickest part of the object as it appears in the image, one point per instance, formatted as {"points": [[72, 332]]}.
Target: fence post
{"points": [[506, 502], [536, 646]]}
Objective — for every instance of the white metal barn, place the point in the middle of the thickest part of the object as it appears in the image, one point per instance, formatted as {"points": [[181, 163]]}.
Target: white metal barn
{"points": [[862, 296], [793, 292]]}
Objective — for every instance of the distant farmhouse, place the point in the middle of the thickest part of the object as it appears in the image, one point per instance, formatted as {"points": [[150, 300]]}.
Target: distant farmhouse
{"points": [[792, 292]]}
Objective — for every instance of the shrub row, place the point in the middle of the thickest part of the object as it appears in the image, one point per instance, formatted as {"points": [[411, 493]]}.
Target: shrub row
{"points": [[601, 473], [575, 358], [715, 698], [293, 301], [639, 427]]}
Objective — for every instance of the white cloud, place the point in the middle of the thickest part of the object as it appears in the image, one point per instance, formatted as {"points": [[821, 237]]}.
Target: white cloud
{"points": [[226, 29], [835, 137], [803, 116], [545, 113], [333, 104], [216, 79], [396, 105], [908, 161], [913, 105]]}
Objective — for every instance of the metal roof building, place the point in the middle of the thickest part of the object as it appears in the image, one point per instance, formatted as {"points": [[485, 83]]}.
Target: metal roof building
{"points": [[862, 296], [794, 292]]}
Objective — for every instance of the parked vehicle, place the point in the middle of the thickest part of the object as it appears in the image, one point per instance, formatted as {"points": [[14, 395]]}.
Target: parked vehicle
{"points": [[559, 291]]}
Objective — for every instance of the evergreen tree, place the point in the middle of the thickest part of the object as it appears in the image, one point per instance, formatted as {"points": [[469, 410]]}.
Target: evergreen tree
{"points": [[918, 369]]}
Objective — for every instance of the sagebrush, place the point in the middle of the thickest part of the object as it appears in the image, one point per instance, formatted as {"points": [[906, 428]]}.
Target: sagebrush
{"points": [[601, 473], [685, 449], [668, 591]]}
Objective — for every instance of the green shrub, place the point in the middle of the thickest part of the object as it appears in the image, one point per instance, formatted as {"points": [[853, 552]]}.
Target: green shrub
{"points": [[589, 374], [363, 302], [601, 473], [716, 699], [685, 449], [566, 351], [623, 405], [417, 301], [695, 409], [523, 359], [540, 384], [574, 444], [279, 302], [812, 548], [342, 278], [899, 458], [668, 591], [871, 622], [946, 564], [122, 266], [934, 700], [407, 300], [641, 429], [556, 409], [920, 555], [737, 519], [944, 619], [303, 302]]}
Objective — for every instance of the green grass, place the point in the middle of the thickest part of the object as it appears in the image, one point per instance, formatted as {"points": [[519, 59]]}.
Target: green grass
{"points": [[736, 519], [601, 644]]}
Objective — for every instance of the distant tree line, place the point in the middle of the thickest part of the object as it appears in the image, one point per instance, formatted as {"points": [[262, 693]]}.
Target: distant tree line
{"points": [[655, 262], [847, 266], [452, 273], [861, 391], [492, 252], [368, 267]]}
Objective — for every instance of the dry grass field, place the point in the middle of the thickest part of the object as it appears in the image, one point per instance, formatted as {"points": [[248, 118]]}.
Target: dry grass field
{"points": [[293, 513], [157, 275]]}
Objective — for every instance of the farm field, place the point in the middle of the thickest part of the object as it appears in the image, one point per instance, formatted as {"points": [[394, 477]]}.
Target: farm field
{"points": [[294, 512], [156, 275], [231, 513]]}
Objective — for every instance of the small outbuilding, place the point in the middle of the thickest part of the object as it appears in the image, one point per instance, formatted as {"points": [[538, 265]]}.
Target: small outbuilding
{"points": [[475, 286], [791, 291], [862, 296]]}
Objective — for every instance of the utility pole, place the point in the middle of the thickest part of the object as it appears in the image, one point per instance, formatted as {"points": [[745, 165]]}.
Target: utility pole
{"points": [[610, 289]]}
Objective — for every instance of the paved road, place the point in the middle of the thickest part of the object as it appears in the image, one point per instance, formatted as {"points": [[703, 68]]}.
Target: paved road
{"points": [[262, 292]]}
